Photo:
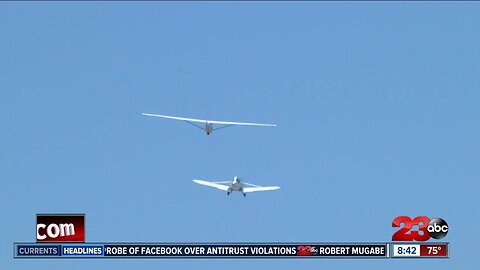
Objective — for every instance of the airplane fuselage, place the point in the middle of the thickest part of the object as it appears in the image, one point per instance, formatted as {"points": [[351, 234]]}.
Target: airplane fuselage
{"points": [[236, 185]]}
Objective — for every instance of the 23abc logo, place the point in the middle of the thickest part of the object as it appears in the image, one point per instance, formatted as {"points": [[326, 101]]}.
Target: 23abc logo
{"points": [[436, 228], [306, 250]]}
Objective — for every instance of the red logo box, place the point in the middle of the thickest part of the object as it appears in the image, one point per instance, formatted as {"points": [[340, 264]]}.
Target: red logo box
{"points": [[304, 251], [60, 228]]}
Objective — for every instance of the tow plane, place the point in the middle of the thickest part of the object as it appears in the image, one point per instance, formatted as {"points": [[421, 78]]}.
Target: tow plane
{"points": [[208, 125], [235, 185]]}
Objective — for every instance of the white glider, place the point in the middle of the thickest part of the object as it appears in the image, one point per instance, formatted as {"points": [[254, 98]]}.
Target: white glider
{"points": [[208, 124], [235, 185]]}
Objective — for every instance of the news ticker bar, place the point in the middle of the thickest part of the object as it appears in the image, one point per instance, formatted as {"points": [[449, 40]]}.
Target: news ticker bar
{"points": [[232, 250]]}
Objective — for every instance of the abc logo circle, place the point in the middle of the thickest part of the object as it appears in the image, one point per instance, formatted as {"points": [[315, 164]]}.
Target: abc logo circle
{"points": [[437, 228]]}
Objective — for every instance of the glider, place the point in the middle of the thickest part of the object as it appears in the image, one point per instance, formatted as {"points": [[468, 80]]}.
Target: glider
{"points": [[208, 124], [235, 185]]}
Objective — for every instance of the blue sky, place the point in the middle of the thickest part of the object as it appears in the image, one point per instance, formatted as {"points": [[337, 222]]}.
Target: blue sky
{"points": [[377, 106]]}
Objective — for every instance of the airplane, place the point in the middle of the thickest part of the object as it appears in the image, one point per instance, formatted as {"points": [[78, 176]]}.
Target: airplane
{"points": [[235, 185], [208, 124]]}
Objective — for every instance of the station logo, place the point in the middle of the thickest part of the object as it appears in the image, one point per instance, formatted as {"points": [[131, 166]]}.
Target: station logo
{"points": [[306, 250], [436, 228], [64, 228]]}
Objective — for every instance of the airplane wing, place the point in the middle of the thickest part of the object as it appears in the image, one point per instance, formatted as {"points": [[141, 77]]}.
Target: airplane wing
{"points": [[209, 121], [211, 184], [254, 189], [176, 118], [251, 185]]}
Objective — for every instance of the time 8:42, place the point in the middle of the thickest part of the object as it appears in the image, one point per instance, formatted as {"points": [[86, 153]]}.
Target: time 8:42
{"points": [[406, 251]]}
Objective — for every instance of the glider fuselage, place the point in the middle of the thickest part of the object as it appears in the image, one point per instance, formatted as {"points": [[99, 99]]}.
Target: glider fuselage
{"points": [[208, 128]]}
